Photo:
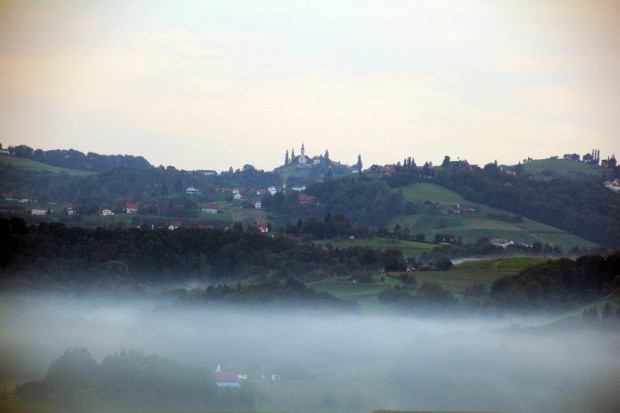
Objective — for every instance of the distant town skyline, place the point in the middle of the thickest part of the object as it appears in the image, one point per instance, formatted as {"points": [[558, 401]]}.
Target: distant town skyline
{"points": [[219, 84]]}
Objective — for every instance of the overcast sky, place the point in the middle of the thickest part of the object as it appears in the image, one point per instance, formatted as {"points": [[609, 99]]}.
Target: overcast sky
{"points": [[213, 84]]}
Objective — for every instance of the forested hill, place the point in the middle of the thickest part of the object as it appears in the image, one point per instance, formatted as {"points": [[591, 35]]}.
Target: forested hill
{"points": [[73, 159]]}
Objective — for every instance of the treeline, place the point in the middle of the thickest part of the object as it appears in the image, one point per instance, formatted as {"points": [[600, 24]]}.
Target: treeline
{"points": [[363, 200], [130, 381], [73, 159], [562, 284], [63, 256], [290, 292]]}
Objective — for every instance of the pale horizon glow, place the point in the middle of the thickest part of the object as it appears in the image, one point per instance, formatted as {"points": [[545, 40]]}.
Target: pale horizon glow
{"points": [[210, 85]]}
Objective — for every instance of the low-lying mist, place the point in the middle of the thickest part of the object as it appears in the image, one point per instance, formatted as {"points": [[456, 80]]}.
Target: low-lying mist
{"points": [[333, 361]]}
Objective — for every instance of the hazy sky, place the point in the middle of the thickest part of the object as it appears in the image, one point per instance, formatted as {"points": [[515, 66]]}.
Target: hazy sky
{"points": [[213, 84]]}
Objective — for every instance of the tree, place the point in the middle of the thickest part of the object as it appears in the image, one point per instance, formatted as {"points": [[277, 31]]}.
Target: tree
{"points": [[359, 163], [393, 260], [286, 158]]}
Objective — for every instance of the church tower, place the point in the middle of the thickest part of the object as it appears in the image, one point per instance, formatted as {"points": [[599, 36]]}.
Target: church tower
{"points": [[302, 155]]}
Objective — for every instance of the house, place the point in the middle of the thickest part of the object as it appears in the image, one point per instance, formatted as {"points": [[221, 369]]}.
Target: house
{"points": [[131, 208], [226, 378], [237, 196], [68, 210], [470, 208], [210, 208], [500, 242], [7, 196], [261, 192], [258, 205], [272, 190], [38, 211], [263, 228], [613, 185], [107, 212], [388, 169], [299, 188], [307, 200], [192, 191], [207, 172], [174, 225]]}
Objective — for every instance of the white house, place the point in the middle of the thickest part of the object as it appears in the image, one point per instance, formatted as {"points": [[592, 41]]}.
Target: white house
{"points": [[258, 205], [192, 191]]}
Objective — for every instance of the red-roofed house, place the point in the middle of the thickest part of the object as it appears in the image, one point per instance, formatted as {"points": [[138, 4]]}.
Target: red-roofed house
{"points": [[261, 227], [210, 208], [174, 225], [131, 208]]}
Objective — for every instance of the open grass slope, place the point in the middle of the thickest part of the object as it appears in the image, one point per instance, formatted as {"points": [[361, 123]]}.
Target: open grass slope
{"points": [[408, 248], [31, 165], [556, 168], [474, 225]]}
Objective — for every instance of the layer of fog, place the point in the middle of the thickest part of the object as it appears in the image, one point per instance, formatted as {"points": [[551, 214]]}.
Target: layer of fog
{"points": [[414, 363]]}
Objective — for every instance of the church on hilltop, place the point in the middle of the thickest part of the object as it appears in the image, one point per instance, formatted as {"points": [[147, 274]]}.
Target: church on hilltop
{"points": [[303, 160]]}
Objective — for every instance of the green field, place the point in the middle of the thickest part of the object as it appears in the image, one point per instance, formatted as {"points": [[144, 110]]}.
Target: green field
{"points": [[408, 248], [549, 168], [38, 166], [421, 192]]}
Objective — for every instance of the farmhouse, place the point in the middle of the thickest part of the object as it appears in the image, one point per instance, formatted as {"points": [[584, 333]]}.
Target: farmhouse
{"points": [[227, 378], [263, 228], [192, 191], [174, 225], [107, 212], [38, 211], [210, 208], [131, 208]]}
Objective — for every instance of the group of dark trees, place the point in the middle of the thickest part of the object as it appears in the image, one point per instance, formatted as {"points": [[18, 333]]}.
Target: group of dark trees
{"points": [[102, 258], [130, 381], [561, 284], [290, 292]]}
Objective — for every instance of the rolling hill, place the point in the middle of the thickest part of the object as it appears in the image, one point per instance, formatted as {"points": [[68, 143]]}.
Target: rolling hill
{"points": [[485, 222]]}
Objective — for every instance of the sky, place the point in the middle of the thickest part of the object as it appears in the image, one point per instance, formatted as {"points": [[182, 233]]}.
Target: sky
{"points": [[215, 84]]}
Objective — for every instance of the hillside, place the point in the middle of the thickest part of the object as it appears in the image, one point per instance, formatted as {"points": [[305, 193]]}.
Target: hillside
{"points": [[439, 214], [563, 168], [36, 166]]}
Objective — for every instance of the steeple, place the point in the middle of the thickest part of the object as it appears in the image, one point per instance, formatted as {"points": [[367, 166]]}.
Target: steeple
{"points": [[302, 155]]}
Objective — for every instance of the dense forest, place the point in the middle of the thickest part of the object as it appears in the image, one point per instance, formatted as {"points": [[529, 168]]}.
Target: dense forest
{"points": [[61, 256]]}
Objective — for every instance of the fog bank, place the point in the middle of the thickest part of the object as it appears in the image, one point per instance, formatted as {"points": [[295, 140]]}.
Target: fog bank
{"points": [[348, 362]]}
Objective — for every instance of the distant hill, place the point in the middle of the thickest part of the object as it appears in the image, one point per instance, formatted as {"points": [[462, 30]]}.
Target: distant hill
{"points": [[563, 168], [73, 159], [36, 166]]}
